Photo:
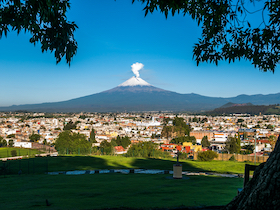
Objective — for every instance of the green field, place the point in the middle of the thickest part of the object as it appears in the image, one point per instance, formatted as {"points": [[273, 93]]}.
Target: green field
{"points": [[40, 165], [6, 152], [98, 191]]}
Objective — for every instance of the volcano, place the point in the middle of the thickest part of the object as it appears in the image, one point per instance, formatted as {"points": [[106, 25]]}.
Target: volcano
{"points": [[136, 94], [134, 85]]}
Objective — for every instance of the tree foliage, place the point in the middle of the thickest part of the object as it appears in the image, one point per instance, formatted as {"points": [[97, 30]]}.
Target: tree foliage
{"points": [[207, 155], [146, 150], [248, 149], [70, 126], [72, 143], [106, 148], [34, 137], [121, 141], [182, 139], [3, 142], [227, 30], [272, 141], [179, 128], [45, 20], [92, 136], [11, 143], [233, 145], [13, 153], [167, 131], [10, 136], [205, 142]]}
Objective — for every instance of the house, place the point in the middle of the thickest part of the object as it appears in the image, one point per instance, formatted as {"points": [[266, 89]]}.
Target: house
{"points": [[120, 150], [23, 144], [193, 148], [168, 147]]}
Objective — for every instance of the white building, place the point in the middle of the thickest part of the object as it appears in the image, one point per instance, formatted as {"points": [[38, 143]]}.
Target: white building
{"points": [[220, 137], [23, 144]]}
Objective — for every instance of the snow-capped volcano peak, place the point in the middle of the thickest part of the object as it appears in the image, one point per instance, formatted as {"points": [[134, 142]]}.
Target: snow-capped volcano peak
{"points": [[134, 81]]}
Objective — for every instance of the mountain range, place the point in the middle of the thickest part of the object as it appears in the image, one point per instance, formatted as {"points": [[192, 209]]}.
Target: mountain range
{"points": [[136, 94]]}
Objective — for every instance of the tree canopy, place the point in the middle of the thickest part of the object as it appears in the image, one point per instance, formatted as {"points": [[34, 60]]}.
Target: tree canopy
{"points": [[233, 145], [205, 142], [92, 136], [3, 142], [70, 126], [34, 137], [146, 150], [106, 147], [121, 141], [46, 21], [182, 139], [72, 143], [179, 128], [228, 32]]}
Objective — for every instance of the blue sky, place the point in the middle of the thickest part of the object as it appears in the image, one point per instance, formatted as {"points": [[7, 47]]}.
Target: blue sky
{"points": [[113, 35]]}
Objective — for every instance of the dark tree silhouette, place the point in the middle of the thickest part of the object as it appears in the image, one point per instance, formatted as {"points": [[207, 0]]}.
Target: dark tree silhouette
{"points": [[263, 190], [227, 33], [46, 21]]}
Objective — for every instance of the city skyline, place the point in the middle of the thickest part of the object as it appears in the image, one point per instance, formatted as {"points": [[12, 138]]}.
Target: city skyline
{"points": [[112, 35]]}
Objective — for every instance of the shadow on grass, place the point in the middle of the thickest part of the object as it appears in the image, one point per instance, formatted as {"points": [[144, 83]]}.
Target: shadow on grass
{"points": [[163, 164], [156, 187], [40, 165]]}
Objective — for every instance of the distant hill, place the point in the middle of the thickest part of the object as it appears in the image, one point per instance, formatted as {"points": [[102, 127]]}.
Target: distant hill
{"points": [[245, 109], [136, 94], [230, 104]]}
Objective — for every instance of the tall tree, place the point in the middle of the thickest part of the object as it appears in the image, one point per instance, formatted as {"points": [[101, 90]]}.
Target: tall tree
{"points": [[272, 141], [3, 142], [145, 149], [92, 136], [166, 131], [11, 143], [45, 20], [205, 142], [34, 137], [70, 125], [121, 141], [72, 143], [106, 147], [182, 139], [233, 145], [180, 128]]}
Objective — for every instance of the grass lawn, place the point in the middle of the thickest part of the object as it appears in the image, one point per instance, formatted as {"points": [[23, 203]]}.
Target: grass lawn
{"points": [[6, 152], [41, 165], [114, 190]]}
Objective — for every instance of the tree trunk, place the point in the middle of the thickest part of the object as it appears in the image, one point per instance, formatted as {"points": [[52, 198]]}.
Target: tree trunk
{"points": [[263, 190]]}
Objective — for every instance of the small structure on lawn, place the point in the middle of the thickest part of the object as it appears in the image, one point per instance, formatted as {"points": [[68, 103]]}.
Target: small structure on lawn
{"points": [[177, 168]]}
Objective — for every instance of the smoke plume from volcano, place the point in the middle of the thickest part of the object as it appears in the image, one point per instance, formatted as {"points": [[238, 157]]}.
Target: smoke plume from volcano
{"points": [[136, 67]]}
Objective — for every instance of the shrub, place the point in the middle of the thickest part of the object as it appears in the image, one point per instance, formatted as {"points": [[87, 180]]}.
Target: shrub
{"points": [[207, 155], [14, 153], [183, 156], [232, 158]]}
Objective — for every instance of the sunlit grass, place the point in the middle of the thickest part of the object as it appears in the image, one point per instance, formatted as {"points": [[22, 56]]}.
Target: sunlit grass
{"points": [[6, 152], [41, 165]]}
